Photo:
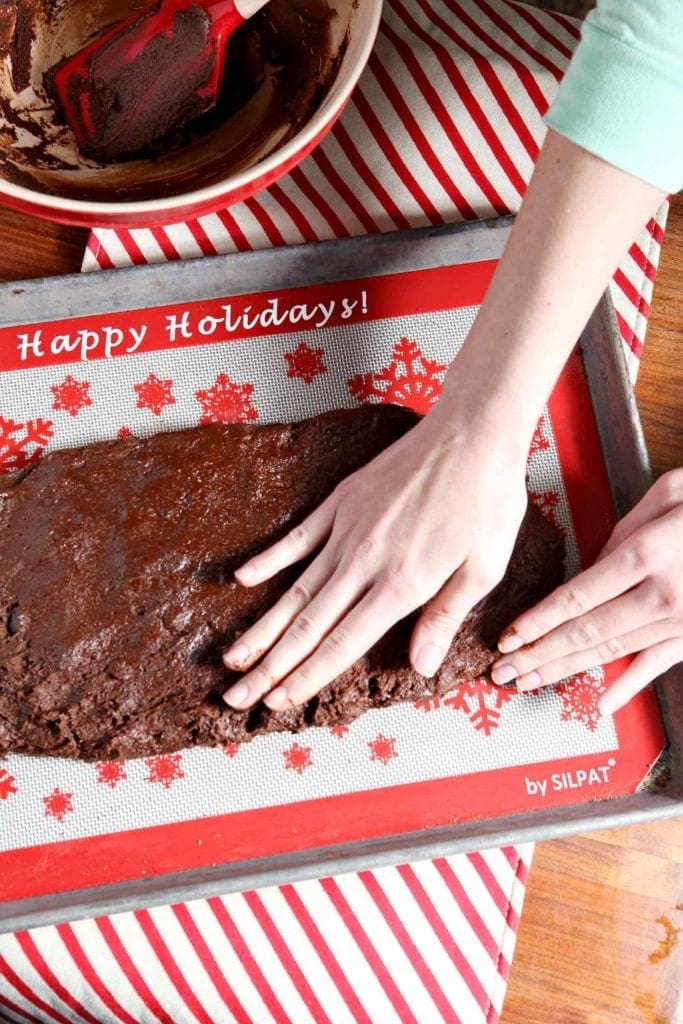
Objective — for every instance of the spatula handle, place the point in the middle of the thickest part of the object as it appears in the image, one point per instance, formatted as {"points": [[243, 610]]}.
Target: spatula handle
{"points": [[247, 8], [230, 11]]}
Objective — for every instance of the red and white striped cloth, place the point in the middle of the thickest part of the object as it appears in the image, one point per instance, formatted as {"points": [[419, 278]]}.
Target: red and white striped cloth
{"points": [[414, 944], [445, 125]]}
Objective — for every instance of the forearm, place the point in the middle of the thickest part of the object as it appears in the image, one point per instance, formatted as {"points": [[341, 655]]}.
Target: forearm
{"points": [[577, 219]]}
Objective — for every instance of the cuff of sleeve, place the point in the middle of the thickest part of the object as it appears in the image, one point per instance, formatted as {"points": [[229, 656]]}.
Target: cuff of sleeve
{"points": [[625, 106]]}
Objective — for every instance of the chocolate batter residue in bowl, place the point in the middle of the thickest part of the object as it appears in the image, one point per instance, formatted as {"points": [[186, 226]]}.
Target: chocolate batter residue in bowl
{"points": [[280, 65]]}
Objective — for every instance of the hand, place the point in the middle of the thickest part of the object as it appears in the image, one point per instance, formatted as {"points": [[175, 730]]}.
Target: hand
{"points": [[432, 519], [629, 602]]}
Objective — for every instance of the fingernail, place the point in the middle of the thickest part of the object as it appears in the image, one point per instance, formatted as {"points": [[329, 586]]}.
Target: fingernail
{"points": [[510, 642], [531, 681], [236, 695], [277, 699], [428, 659], [237, 655], [608, 705], [245, 573], [503, 673]]}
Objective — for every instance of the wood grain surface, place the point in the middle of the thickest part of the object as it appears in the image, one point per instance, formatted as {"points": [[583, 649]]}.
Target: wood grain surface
{"points": [[601, 938]]}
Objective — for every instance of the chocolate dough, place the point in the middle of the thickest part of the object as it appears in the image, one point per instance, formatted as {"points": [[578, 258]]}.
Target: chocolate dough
{"points": [[133, 106], [117, 595], [17, 32], [143, 108], [8, 23]]}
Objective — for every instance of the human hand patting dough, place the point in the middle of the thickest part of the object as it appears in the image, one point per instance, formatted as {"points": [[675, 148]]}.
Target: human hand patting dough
{"points": [[434, 518], [629, 602], [390, 542]]}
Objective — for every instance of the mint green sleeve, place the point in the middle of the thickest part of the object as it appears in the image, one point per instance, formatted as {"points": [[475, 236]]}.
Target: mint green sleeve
{"points": [[622, 95]]}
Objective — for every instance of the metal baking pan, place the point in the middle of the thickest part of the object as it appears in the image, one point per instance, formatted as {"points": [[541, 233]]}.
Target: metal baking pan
{"points": [[627, 464]]}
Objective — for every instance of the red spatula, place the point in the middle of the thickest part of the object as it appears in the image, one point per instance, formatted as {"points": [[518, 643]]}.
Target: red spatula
{"points": [[148, 75]]}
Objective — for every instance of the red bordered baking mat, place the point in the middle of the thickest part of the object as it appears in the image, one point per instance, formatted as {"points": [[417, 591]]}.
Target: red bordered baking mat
{"points": [[479, 753]]}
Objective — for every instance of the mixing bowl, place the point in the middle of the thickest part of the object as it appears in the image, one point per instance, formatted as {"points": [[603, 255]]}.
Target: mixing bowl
{"points": [[42, 173]]}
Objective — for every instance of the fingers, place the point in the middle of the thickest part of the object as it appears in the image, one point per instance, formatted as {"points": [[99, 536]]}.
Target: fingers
{"points": [[346, 643], [305, 634], [617, 647], [263, 634], [369, 620], [303, 540], [614, 575], [440, 621], [593, 631], [647, 509], [642, 670], [664, 495]]}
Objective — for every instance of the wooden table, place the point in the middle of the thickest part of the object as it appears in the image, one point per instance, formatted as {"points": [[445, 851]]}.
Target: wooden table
{"points": [[599, 940]]}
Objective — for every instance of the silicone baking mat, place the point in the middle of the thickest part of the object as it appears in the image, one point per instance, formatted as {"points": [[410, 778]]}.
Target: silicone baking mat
{"points": [[267, 353]]}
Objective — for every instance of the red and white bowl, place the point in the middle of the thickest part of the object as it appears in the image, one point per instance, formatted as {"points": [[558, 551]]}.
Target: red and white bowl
{"points": [[86, 196]]}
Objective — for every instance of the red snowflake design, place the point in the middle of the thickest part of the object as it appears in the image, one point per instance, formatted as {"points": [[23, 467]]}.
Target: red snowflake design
{"points": [[305, 362], [17, 452], [297, 758], [58, 804], [547, 502], [580, 696], [383, 748], [226, 401], [540, 442], [110, 773], [410, 379], [165, 769], [479, 700], [8, 784], [124, 432], [428, 704], [154, 394], [339, 731], [71, 395], [231, 750]]}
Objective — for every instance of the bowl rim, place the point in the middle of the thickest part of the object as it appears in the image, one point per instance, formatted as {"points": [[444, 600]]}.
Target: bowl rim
{"points": [[326, 114]]}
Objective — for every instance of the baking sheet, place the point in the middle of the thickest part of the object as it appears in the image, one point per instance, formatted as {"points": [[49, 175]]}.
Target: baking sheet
{"points": [[280, 335]]}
